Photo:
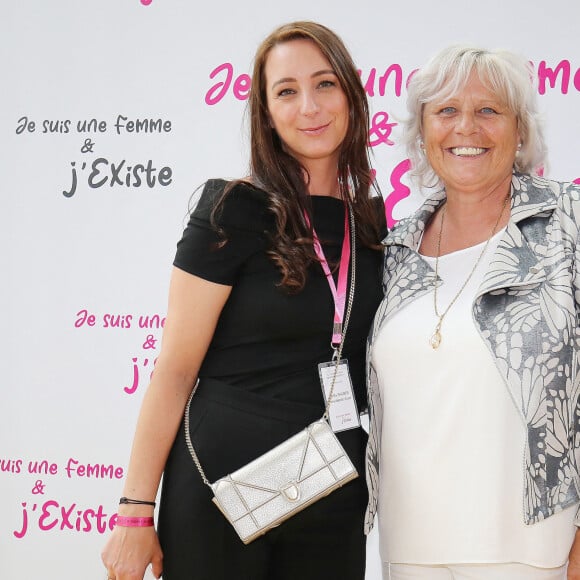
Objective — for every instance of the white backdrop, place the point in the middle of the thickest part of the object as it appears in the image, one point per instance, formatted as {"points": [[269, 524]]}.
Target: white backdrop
{"points": [[90, 212]]}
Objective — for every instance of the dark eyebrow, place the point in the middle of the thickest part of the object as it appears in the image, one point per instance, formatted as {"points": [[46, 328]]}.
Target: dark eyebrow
{"points": [[314, 75]]}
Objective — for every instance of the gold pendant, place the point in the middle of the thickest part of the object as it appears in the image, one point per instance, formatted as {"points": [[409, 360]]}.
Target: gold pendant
{"points": [[435, 339]]}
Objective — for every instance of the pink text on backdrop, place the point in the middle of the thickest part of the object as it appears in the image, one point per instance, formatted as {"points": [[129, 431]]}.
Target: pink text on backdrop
{"points": [[10, 465], [379, 82], [240, 84], [557, 77], [116, 320], [399, 190], [240, 87], [151, 321], [371, 84], [380, 129], [52, 516], [137, 375], [42, 467], [73, 468]]}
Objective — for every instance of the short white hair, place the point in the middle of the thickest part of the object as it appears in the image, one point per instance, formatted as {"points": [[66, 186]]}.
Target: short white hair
{"points": [[510, 76]]}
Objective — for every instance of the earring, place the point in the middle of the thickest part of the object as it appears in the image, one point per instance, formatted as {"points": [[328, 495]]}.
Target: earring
{"points": [[519, 149], [422, 145]]}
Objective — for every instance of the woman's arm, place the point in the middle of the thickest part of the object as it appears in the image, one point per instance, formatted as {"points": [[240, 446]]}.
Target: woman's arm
{"points": [[193, 311], [574, 556]]}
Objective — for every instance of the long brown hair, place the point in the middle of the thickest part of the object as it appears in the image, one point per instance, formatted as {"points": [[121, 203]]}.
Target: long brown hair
{"points": [[281, 176]]}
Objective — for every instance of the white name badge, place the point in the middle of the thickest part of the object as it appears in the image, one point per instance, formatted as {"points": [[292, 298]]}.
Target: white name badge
{"points": [[342, 413]]}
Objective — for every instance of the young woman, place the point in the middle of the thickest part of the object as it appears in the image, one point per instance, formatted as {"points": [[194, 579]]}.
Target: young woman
{"points": [[251, 316]]}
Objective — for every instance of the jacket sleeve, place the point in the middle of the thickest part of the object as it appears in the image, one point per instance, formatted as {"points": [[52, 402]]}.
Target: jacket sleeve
{"points": [[574, 196]]}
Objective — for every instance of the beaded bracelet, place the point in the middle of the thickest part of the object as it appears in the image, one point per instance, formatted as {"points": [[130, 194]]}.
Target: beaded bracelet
{"points": [[128, 500], [134, 522]]}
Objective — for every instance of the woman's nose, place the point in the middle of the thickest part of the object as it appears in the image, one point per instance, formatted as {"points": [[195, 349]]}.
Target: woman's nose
{"points": [[309, 103], [466, 122]]}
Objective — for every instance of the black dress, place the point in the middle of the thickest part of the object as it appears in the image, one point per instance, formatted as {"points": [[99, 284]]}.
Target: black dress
{"points": [[258, 385]]}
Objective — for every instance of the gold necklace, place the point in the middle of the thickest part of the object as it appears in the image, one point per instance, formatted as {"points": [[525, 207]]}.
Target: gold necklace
{"points": [[435, 339]]}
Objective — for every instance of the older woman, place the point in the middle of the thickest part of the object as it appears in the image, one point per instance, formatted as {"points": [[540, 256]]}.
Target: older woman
{"points": [[473, 358]]}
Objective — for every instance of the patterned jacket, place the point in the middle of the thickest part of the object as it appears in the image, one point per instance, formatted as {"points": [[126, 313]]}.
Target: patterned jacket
{"points": [[527, 311]]}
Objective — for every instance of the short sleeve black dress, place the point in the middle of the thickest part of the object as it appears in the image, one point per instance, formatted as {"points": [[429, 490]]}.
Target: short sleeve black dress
{"points": [[258, 385]]}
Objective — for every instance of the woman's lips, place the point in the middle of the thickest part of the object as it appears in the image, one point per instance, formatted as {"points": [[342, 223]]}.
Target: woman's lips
{"points": [[315, 130], [467, 151]]}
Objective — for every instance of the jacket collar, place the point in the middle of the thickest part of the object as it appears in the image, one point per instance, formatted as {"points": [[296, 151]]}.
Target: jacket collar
{"points": [[530, 195]]}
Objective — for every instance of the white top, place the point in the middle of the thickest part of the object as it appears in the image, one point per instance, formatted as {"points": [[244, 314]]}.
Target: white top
{"points": [[453, 440]]}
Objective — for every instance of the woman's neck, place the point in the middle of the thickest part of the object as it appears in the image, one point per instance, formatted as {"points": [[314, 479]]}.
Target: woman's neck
{"points": [[470, 218], [474, 212], [323, 180]]}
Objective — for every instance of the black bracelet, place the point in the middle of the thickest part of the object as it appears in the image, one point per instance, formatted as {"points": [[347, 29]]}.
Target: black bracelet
{"points": [[136, 501]]}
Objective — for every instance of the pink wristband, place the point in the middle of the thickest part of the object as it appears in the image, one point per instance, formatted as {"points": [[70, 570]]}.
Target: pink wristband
{"points": [[134, 522]]}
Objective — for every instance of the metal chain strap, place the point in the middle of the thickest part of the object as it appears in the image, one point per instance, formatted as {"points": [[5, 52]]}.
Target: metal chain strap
{"points": [[188, 438]]}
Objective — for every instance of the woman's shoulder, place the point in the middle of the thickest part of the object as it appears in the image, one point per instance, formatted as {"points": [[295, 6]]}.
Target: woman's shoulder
{"points": [[238, 204], [540, 187], [409, 229], [238, 192], [535, 193]]}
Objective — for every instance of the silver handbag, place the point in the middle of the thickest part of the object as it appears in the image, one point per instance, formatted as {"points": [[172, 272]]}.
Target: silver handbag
{"points": [[283, 481], [288, 478]]}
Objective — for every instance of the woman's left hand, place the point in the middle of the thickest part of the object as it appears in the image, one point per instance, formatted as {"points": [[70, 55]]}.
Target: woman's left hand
{"points": [[574, 559]]}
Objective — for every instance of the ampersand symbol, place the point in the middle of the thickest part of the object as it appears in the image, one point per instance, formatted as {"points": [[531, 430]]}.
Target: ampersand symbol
{"points": [[38, 488], [150, 342], [400, 190], [87, 146], [381, 129]]}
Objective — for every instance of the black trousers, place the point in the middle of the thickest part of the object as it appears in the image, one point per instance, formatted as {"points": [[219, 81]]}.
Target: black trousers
{"points": [[228, 428]]}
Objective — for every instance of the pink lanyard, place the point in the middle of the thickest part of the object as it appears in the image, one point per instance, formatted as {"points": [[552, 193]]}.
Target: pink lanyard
{"points": [[338, 291]]}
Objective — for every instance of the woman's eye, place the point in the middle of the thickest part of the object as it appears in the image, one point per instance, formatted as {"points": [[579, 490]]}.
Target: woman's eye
{"points": [[285, 92], [447, 110], [488, 111], [326, 83]]}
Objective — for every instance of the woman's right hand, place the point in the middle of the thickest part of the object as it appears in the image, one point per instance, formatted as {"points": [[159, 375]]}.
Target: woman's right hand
{"points": [[129, 551]]}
